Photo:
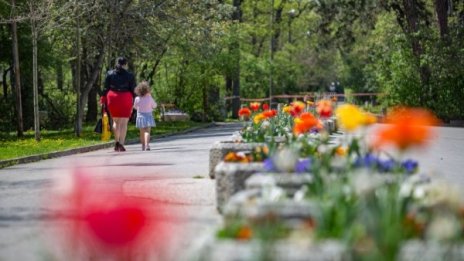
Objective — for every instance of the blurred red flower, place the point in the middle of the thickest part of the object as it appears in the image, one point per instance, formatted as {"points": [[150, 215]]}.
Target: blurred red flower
{"points": [[106, 224], [265, 106]]}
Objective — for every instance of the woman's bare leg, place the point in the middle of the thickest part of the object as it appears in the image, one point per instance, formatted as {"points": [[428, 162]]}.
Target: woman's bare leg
{"points": [[123, 129], [116, 132]]}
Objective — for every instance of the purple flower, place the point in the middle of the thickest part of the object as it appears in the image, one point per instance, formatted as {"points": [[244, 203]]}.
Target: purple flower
{"points": [[314, 131], [303, 165], [269, 165], [410, 165]]}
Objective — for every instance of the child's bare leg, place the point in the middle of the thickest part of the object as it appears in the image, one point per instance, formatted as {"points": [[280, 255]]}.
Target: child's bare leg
{"points": [[147, 137], [142, 141]]}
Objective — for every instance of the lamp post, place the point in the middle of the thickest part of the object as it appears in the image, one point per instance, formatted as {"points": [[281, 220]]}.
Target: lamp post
{"points": [[291, 16]]}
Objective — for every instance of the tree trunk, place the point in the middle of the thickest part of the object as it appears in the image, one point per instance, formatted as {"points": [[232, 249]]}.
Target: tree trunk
{"points": [[412, 12], [59, 76], [35, 86], [17, 76], [5, 83], [92, 106], [441, 8], [90, 83], [235, 51], [228, 81], [78, 74], [271, 50]]}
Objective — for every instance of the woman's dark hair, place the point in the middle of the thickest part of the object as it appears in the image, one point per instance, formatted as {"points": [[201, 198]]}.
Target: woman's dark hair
{"points": [[142, 89], [120, 62]]}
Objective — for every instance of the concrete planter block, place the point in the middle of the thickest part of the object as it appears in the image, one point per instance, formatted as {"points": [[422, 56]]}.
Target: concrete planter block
{"points": [[417, 250], [230, 178], [290, 182], [285, 250], [248, 205], [221, 148]]}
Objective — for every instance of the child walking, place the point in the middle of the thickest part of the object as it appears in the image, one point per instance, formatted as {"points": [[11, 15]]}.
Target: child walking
{"points": [[144, 104]]}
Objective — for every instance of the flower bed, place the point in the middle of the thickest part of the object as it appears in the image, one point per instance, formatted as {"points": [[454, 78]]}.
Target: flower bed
{"points": [[344, 188], [220, 149]]}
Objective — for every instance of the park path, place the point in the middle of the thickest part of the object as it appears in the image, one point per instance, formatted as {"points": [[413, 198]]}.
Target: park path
{"points": [[177, 165]]}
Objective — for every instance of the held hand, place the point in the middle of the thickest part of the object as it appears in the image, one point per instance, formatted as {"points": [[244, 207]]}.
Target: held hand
{"points": [[103, 100]]}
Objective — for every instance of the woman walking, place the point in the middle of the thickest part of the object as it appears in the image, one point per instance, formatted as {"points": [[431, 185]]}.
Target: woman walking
{"points": [[118, 95]]}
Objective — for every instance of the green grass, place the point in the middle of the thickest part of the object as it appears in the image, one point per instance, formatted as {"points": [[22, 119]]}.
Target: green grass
{"points": [[52, 140]]}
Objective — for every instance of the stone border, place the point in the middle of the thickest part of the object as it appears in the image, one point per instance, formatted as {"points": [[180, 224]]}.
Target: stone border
{"points": [[56, 154]]}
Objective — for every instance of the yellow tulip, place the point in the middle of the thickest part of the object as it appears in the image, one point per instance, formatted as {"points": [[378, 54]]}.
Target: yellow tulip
{"points": [[350, 117]]}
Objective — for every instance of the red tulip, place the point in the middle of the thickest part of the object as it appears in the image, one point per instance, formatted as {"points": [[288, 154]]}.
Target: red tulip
{"points": [[107, 224], [265, 106], [254, 106]]}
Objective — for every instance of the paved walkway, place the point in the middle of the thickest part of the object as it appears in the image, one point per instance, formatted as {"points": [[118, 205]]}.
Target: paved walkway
{"points": [[176, 164]]}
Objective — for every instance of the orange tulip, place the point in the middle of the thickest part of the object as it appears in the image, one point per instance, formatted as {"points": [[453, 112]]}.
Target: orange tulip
{"points": [[244, 233], [254, 106], [324, 108], [304, 123], [244, 112], [270, 113], [407, 127]]}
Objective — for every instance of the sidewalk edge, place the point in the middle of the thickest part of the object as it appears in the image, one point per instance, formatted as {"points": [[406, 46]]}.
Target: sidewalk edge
{"points": [[57, 154]]}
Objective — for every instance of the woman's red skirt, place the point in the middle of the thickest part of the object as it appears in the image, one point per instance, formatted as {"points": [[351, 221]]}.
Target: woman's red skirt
{"points": [[119, 104]]}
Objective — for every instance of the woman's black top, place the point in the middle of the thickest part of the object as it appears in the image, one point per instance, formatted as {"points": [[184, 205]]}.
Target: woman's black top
{"points": [[119, 81]]}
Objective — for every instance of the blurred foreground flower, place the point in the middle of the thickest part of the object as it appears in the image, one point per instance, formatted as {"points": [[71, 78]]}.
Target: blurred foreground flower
{"points": [[407, 127], [106, 224], [350, 117]]}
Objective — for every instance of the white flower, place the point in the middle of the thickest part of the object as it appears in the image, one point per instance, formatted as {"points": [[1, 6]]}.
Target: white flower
{"points": [[237, 137], [265, 124], [443, 227], [285, 160], [440, 193]]}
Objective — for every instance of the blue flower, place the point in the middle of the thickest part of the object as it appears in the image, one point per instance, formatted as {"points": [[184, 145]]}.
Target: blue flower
{"points": [[410, 165], [367, 161], [303, 165], [386, 165], [269, 165]]}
